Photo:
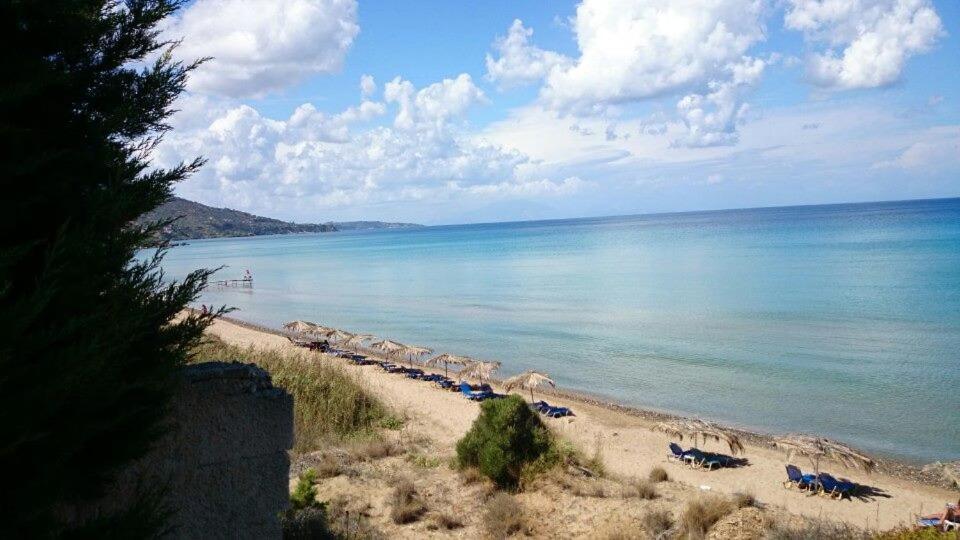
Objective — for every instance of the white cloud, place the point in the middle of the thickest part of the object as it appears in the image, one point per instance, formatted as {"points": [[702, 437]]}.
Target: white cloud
{"points": [[518, 61], [712, 119], [311, 162], [435, 104], [258, 47], [875, 38], [368, 86], [939, 148], [632, 50]]}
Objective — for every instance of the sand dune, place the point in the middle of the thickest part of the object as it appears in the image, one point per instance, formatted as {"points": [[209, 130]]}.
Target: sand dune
{"points": [[630, 447]]}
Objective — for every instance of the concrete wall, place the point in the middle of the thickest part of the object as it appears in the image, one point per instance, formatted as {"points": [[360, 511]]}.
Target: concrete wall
{"points": [[225, 460]]}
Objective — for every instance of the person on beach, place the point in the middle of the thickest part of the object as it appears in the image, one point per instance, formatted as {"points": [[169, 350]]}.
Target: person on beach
{"points": [[950, 513]]}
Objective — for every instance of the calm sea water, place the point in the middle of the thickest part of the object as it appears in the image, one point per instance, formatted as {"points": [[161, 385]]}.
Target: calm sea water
{"points": [[841, 320]]}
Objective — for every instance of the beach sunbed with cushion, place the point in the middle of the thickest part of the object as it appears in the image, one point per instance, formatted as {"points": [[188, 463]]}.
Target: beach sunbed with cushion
{"points": [[558, 412], [676, 452], [472, 395], [540, 406], [944, 525], [414, 373], [796, 478], [832, 487]]}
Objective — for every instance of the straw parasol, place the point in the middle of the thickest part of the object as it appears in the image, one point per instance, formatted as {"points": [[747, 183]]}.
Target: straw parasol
{"points": [[300, 327], [817, 448], [446, 359], [697, 429], [319, 330], [529, 379], [479, 370], [357, 339], [387, 346], [411, 352], [340, 335]]}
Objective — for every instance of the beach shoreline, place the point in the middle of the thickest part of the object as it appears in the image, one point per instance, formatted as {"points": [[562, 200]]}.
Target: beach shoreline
{"points": [[886, 465]]}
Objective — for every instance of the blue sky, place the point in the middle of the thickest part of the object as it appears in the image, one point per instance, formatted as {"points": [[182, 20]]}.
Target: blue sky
{"points": [[528, 110]]}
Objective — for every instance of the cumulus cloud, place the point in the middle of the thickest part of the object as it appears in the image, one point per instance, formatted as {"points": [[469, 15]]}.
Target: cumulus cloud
{"points": [[312, 161], [867, 42], [435, 104], [632, 50], [258, 47], [368, 86], [711, 119], [519, 62]]}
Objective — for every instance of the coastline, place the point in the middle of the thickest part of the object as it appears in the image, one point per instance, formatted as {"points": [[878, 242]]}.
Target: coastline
{"points": [[885, 465]]}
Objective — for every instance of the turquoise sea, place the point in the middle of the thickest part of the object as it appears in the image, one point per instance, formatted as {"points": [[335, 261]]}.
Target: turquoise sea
{"points": [[840, 320]]}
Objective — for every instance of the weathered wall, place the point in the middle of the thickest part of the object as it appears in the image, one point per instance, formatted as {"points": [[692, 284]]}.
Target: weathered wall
{"points": [[225, 458]]}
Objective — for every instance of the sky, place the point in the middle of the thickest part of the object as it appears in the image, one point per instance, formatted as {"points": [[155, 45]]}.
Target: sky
{"points": [[441, 112]]}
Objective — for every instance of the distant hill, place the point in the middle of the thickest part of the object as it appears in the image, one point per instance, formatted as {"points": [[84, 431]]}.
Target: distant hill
{"points": [[361, 225], [202, 221]]}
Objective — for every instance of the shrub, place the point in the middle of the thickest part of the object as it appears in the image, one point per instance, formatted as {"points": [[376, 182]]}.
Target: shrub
{"points": [[444, 521], [328, 402], [658, 474], [927, 533], [502, 516], [305, 493], [701, 514], [640, 489], [405, 505], [657, 523], [743, 500], [503, 439]]}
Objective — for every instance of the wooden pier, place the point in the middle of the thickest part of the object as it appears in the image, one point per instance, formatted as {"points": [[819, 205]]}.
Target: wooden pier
{"points": [[244, 282]]}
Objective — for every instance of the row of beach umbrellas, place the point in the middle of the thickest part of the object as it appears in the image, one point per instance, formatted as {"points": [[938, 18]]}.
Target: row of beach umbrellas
{"points": [[816, 449], [470, 367]]}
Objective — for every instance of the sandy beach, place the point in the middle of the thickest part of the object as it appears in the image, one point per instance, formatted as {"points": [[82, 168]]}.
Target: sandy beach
{"points": [[629, 447]]}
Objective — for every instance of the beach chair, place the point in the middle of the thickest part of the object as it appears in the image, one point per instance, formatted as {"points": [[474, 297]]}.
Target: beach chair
{"points": [[470, 394], [540, 406], [676, 452], [558, 412], [414, 373], [833, 488], [796, 478]]}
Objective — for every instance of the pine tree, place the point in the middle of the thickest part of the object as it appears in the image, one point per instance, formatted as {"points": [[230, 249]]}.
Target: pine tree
{"points": [[89, 340]]}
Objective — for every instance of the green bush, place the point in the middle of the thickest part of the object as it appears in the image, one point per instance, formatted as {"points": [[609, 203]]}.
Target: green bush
{"points": [[305, 493], [503, 439]]}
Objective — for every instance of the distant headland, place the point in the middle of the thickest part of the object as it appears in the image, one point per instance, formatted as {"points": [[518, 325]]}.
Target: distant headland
{"points": [[198, 221]]}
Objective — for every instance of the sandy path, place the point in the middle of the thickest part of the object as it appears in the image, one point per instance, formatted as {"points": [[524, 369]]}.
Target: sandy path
{"points": [[630, 448]]}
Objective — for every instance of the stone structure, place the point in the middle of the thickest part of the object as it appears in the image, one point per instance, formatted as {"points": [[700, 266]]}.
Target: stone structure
{"points": [[225, 460]]}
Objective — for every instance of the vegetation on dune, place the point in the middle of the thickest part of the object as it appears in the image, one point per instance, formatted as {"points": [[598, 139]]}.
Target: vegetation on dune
{"points": [[329, 404], [88, 354], [506, 437]]}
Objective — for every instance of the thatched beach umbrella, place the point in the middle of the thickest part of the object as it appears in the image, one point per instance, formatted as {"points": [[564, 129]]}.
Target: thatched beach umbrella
{"points": [[391, 348], [817, 448], [479, 370], [411, 352], [340, 335], [529, 379], [300, 327], [447, 359], [357, 339], [696, 429], [319, 330]]}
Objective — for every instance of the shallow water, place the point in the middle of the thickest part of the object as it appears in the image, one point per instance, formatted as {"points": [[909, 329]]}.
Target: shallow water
{"points": [[841, 320]]}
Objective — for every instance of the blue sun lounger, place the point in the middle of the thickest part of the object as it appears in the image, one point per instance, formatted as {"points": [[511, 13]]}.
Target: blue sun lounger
{"points": [[470, 394], [832, 487], [796, 478]]}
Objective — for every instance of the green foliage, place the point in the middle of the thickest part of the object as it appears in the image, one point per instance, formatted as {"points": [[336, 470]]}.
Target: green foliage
{"points": [[329, 404], [926, 533], [87, 349], [305, 493], [503, 439]]}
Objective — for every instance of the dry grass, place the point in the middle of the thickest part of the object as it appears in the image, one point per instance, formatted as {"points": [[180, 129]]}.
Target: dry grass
{"points": [[503, 516], [658, 474], [701, 514], [640, 489], [370, 450], [814, 529], [471, 475], [658, 523], [588, 488], [328, 402], [405, 504], [617, 530], [328, 466], [444, 522], [744, 500]]}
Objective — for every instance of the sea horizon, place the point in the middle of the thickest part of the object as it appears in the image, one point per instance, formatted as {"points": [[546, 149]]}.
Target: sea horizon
{"points": [[825, 319]]}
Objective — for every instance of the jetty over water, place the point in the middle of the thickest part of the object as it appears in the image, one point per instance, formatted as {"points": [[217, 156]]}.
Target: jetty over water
{"points": [[245, 281]]}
